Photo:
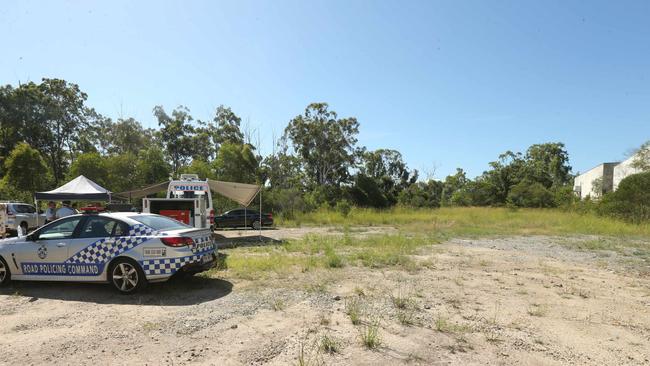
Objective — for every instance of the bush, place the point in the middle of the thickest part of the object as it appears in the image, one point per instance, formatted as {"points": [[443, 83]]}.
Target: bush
{"points": [[631, 201], [284, 202], [366, 192], [343, 207], [530, 194], [564, 196]]}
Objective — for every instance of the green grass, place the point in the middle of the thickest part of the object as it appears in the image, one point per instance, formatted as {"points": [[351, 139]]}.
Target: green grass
{"points": [[476, 221]]}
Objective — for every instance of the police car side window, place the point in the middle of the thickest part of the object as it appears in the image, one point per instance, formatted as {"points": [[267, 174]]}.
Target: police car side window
{"points": [[59, 230], [102, 227], [120, 229]]}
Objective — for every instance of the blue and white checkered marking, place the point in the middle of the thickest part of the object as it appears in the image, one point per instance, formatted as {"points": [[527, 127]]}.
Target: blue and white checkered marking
{"points": [[105, 249], [167, 266], [203, 244]]}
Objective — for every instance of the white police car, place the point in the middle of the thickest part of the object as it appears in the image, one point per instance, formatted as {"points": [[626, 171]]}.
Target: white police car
{"points": [[125, 249]]}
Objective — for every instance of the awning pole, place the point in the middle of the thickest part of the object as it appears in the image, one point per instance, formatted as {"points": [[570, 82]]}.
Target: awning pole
{"points": [[260, 214]]}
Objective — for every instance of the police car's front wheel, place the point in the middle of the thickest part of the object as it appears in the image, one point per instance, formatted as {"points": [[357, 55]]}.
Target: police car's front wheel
{"points": [[126, 276], [5, 274]]}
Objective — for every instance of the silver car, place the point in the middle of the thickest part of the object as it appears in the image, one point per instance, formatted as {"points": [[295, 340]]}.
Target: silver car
{"points": [[20, 215], [128, 250]]}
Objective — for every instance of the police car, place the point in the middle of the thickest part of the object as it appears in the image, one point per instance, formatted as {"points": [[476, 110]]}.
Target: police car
{"points": [[128, 250]]}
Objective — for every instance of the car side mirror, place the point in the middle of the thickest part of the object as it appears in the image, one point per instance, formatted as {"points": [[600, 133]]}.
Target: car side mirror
{"points": [[32, 237]]}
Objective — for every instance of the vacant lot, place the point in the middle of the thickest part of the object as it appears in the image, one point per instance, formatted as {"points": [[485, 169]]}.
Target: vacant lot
{"points": [[428, 290]]}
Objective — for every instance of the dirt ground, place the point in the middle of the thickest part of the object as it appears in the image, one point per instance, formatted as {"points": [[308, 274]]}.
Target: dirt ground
{"points": [[518, 300]]}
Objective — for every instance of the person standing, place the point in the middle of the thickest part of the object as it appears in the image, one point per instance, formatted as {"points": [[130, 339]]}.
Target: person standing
{"points": [[50, 213], [65, 210], [3, 220]]}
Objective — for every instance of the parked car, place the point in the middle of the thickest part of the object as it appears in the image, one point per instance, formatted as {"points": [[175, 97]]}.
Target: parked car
{"points": [[125, 249], [20, 215], [243, 218]]}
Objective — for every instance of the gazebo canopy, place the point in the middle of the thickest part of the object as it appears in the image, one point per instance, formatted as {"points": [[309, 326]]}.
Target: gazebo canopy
{"points": [[78, 189]]}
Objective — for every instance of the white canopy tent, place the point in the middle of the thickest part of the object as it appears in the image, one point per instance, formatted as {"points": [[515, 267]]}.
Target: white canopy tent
{"points": [[78, 189]]}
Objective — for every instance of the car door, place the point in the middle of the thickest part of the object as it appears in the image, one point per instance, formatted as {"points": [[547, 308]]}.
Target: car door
{"points": [[230, 218], [239, 218], [94, 245], [45, 251]]}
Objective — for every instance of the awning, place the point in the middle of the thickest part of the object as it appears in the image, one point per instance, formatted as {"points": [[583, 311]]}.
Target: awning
{"points": [[241, 193], [143, 192], [78, 189]]}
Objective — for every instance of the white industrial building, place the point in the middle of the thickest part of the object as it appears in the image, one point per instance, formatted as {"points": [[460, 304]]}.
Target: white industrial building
{"points": [[604, 178], [623, 170], [595, 182]]}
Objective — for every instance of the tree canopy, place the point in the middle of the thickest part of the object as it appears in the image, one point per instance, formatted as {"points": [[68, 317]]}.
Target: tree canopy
{"points": [[48, 133]]}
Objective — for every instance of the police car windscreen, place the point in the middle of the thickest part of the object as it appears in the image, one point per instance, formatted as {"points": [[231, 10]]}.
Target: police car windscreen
{"points": [[160, 223]]}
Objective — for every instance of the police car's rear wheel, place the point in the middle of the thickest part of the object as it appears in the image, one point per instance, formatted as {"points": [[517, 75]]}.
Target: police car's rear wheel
{"points": [[5, 274], [256, 225], [127, 277]]}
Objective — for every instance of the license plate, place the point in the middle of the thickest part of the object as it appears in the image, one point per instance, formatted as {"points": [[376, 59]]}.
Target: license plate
{"points": [[206, 259]]}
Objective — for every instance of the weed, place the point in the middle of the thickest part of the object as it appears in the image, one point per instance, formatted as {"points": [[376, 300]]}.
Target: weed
{"points": [[492, 335], [150, 326], [324, 319], [370, 336], [359, 291], [353, 310], [329, 344], [317, 287], [406, 317], [333, 260], [402, 301], [537, 310], [445, 326], [306, 358], [278, 304]]}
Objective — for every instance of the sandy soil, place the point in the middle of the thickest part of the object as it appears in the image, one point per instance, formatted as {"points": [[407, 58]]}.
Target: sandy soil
{"points": [[525, 300]]}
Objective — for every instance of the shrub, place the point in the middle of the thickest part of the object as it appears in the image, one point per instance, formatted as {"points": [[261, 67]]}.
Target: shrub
{"points": [[343, 207], [631, 201], [530, 194]]}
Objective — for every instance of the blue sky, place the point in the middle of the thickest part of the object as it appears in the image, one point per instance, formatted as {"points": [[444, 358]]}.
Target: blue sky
{"points": [[448, 83]]}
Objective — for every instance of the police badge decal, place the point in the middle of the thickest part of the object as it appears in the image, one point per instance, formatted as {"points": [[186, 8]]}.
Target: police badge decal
{"points": [[42, 252]]}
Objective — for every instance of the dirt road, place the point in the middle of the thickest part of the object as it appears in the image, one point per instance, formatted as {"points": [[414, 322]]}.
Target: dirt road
{"points": [[525, 300]]}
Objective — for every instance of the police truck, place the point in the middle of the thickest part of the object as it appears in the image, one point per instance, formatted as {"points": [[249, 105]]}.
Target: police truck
{"points": [[188, 200]]}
